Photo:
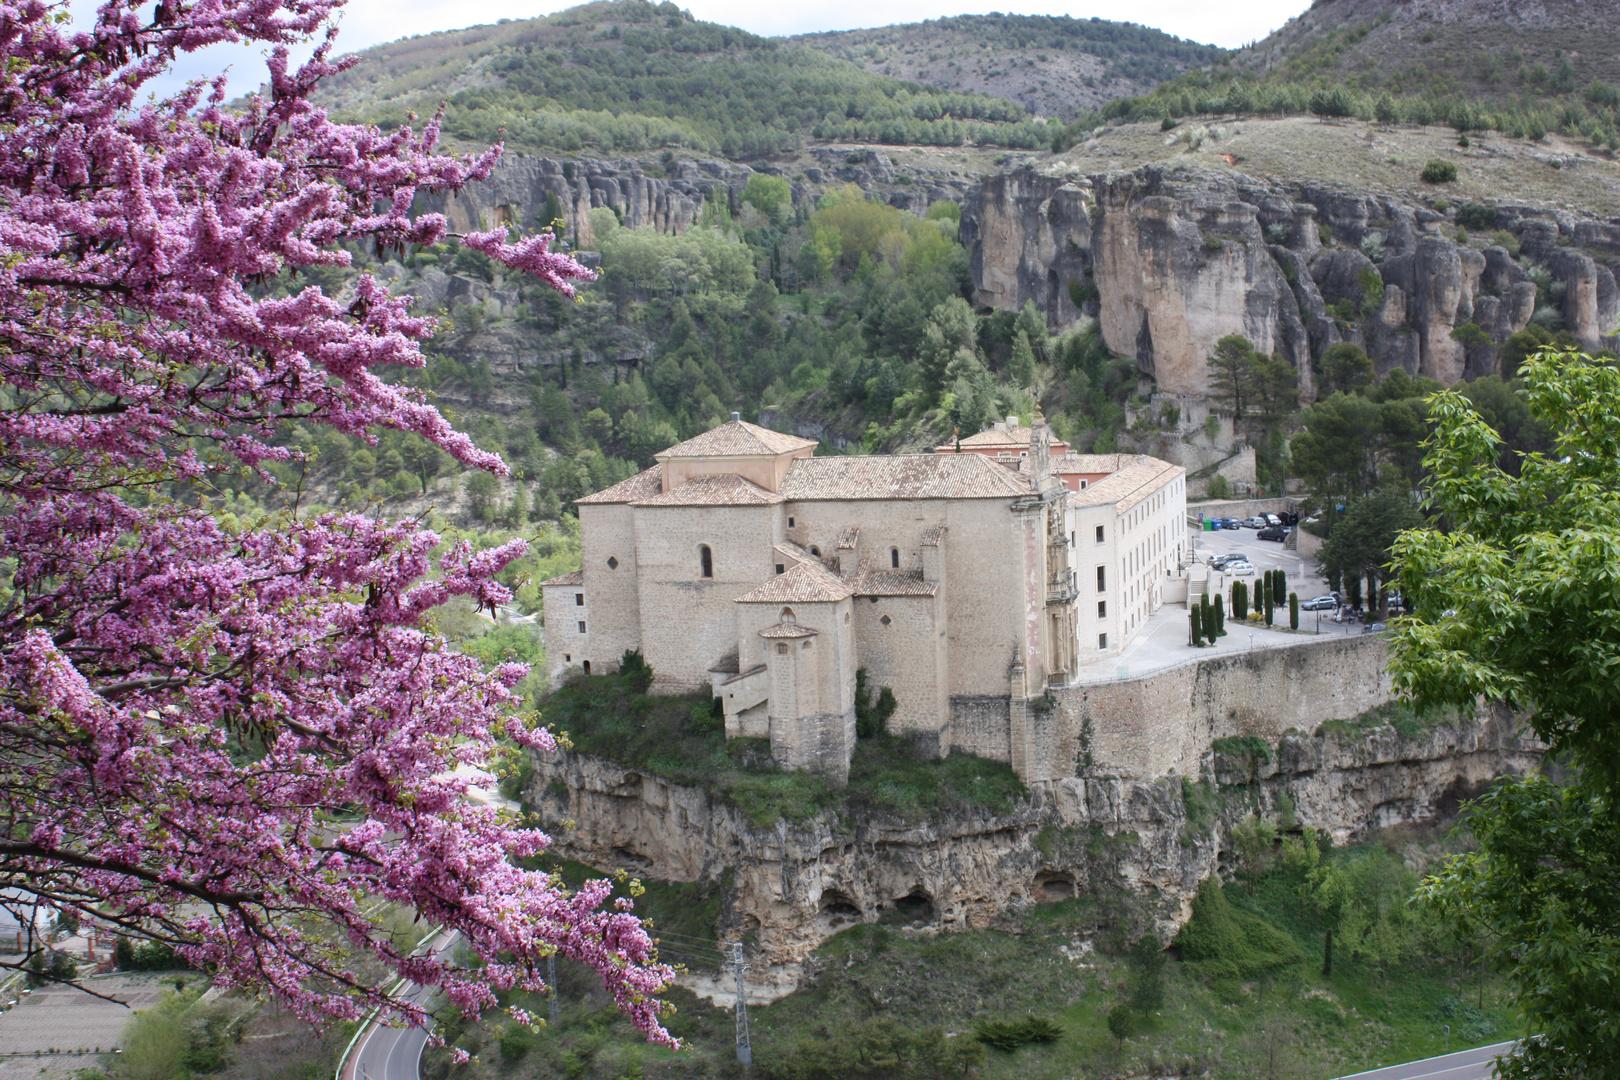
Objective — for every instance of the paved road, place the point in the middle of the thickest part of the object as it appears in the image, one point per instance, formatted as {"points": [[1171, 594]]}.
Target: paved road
{"points": [[386, 1053], [1472, 1064]]}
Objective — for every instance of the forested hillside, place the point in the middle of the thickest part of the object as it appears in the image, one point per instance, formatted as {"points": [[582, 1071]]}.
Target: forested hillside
{"points": [[1522, 70], [1053, 65], [629, 76]]}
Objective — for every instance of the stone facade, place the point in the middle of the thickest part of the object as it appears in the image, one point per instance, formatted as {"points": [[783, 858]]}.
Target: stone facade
{"points": [[742, 563]]}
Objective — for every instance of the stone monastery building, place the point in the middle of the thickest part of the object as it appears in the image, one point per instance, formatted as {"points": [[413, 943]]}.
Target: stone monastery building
{"points": [[968, 581]]}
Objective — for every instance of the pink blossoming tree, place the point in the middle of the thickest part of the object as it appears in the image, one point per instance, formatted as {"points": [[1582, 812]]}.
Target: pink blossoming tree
{"points": [[237, 742]]}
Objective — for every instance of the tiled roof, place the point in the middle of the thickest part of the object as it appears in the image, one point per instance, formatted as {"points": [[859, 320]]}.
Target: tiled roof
{"points": [[933, 535], [576, 578], [643, 485], [722, 490], [803, 583], [787, 630], [901, 476], [1130, 485], [894, 583], [848, 538], [1091, 463], [992, 439], [796, 553], [736, 439]]}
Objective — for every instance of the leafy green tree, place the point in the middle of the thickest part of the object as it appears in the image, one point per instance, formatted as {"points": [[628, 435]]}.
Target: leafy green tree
{"points": [[770, 195], [1361, 543], [1121, 1023], [1232, 374], [1337, 453], [1022, 364], [423, 459], [1515, 602], [1346, 369]]}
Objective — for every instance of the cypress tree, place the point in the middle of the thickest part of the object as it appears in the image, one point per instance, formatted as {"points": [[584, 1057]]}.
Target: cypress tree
{"points": [[1206, 617], [1282, 585], [1240, 600], [1270, 605], [1220, 616], [1194, 612], [1293, 611]]}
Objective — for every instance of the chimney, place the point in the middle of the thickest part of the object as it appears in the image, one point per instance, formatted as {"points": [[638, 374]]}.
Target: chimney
{"points": [[736, 416], [1012, 423]]}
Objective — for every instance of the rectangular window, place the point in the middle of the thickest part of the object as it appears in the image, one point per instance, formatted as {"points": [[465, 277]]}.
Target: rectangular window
{"points": [[1102, 609], [1102, 641], [1102, 579], [582, 628], [1099, 534], [779, 568], [579, 599]]}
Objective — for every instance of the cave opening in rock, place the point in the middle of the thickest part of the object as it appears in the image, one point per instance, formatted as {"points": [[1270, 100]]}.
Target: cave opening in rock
{"points": [[834, 902], [915, 906], [1053, 888]]}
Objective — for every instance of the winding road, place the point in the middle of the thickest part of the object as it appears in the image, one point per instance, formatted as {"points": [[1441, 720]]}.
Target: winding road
{"points": [[390, 1053], [1472, 1064]]}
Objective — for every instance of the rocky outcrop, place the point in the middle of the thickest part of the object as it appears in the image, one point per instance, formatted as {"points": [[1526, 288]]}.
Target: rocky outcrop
{"points": [[1030, 236], [667, 198], [1126, 842], [1171, 260]]}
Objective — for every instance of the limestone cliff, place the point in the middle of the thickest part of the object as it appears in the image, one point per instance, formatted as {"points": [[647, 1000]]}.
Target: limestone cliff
{"points": [[1169, 260], [1125, 841], [668, 199]]}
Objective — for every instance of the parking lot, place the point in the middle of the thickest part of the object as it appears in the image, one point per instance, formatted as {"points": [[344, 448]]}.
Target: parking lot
{"points": [[1304, 575]]}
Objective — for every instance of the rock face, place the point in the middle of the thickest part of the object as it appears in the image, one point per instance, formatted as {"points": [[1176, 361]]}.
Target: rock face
{"points": [[1129, 843], [516, 191], [1171, 260]]}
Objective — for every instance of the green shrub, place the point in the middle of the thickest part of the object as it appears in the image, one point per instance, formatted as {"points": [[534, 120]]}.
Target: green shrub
{"points": [[1438, 172], [1009, 1035], [1221, 942], [1121, 1022], [1219, 487], [516, 1041]]}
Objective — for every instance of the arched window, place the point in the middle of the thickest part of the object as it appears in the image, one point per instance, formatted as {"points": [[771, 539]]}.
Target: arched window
{"points": [[894, 558], [705, 561], [815, 551], [788, 616]]}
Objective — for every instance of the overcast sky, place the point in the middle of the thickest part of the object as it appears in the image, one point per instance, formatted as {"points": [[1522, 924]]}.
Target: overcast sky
{"points": [[371, 22]]}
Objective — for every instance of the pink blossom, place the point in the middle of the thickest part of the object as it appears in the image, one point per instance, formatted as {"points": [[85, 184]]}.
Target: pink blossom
{"points": [[217, 739]]}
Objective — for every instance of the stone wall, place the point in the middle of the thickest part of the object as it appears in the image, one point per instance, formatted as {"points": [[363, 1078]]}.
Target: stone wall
{"points": [[1164, 723]]}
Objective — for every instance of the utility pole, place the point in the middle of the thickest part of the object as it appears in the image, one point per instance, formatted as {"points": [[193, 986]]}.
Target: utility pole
{"points": [[551, 985], [745, 1051]]}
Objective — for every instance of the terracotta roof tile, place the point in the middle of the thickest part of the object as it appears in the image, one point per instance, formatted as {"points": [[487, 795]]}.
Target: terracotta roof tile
{"points": [[720, 490], [787, 630], [992, 439], [643, 485], [736, 439], [901, 476], [933, 536], [576, 578], [797, 554], [848, 538], [803, 583], [894, 583], [1091, 463], [1129, 485]]}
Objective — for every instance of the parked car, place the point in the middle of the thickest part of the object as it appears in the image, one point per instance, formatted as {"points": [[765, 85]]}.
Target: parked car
{"points": [[1256, 523], [1319, 603], [1273, 520], [1238, 569], [1233, 523], [1218, 561], [1290, 519], [1272, 532]]}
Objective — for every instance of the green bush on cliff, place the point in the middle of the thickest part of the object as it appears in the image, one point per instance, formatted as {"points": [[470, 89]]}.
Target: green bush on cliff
{"points": [[681, 738], [1221, 942]]}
